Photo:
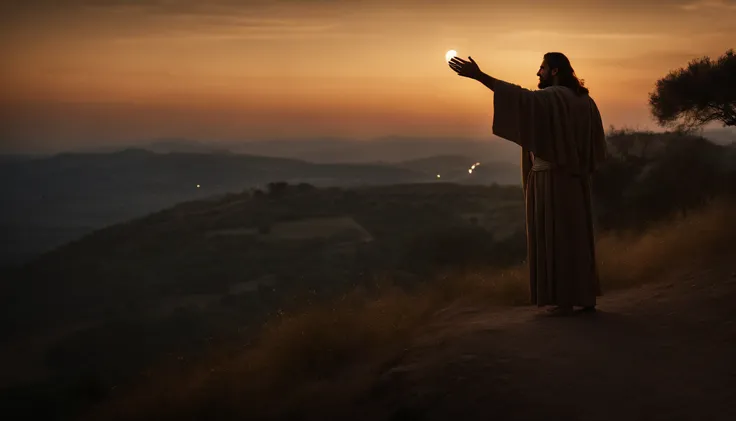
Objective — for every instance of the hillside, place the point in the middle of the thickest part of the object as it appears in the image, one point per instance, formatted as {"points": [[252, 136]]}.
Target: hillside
{"points": [[283, 290], [659, 348], [53, 200], [207, 247], [213, 271], [662, 351], [649, 347]]}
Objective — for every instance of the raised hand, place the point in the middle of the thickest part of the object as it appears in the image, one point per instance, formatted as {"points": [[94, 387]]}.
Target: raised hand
{"points": [[464, 68]]}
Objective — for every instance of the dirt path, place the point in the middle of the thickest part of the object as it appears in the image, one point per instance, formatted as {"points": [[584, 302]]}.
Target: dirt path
{"points": [[658, 352]]}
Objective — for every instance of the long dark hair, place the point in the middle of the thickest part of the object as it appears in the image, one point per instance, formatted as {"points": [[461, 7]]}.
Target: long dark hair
{"points": [[565, 73]]}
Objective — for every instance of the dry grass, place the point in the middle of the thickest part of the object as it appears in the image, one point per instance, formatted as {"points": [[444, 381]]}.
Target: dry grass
{"points": [[682, 243], [336, 351], [293, 357], [491, 287]]}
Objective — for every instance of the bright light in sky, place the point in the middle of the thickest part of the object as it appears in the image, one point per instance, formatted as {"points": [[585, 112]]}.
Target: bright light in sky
{"points": [[185, 69], [197, 185], [438, 176]]}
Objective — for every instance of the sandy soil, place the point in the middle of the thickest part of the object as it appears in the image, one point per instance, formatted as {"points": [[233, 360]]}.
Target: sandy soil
{"points": [[664, 351]]}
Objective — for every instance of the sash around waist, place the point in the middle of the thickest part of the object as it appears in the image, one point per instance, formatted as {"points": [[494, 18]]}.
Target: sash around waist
{"points": [[540, 165]]}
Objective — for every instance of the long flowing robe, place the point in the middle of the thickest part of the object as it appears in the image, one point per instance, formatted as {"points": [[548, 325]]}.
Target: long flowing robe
{"points": [[563, 142]]}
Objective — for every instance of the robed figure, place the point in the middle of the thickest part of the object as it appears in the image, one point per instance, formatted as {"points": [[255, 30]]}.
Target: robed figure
{"points": [[560, 131]]}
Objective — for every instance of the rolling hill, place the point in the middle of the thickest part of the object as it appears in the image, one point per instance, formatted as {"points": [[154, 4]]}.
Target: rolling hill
{"points": [[52, 200]]}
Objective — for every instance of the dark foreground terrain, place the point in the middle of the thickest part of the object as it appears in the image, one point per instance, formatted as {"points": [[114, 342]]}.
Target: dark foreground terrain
{"points": [[659, 348], [658, 352], [387, 302]]}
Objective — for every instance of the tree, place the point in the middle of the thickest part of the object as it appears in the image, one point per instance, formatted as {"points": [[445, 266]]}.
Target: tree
{"points": [[277, 189], [702, 92]]}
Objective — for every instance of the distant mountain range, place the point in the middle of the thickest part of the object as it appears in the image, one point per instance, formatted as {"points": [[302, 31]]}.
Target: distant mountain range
{"points": [[51, 200], [336, 150], [392, 149]]}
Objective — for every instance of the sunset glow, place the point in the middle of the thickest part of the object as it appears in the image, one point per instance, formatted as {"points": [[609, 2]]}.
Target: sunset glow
{"points": [[113, 71]]}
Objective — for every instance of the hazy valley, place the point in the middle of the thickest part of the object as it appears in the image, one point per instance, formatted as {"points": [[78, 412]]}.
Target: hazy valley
{"points": [[55, 199]]}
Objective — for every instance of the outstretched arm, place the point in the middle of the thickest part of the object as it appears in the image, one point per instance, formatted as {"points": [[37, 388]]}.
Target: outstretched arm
{"points": [[488, 81], [471, 70]]}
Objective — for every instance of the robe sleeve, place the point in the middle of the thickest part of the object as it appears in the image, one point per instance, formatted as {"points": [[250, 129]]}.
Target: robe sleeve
{"points": [[597, 151], [535, 120]]}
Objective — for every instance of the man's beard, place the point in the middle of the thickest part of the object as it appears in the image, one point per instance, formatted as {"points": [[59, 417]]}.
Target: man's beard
{"points": [[544, 83]]}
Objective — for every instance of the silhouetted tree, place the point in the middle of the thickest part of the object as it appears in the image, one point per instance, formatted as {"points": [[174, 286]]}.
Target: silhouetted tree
{"points": [[702, 92], [685, 177], [622, 142], [277, 189], [305, 187]]}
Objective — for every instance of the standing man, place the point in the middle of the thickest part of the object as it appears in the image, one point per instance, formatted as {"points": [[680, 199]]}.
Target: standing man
{"points": [[561, 134]]}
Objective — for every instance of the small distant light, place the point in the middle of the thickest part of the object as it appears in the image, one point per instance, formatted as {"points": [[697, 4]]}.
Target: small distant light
{"points": [[470, 171], [197, 185], [438, 176]]}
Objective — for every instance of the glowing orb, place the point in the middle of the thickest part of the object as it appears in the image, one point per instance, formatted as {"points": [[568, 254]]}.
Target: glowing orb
{"points": [[450, 54], [197, 185], [438, 176]]}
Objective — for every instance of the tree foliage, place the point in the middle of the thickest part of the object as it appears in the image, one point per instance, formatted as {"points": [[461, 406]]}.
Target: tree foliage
{"points": [[702, 92]]}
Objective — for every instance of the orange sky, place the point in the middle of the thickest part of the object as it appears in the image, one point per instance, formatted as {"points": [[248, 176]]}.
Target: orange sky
{"points": [[106, 71]]}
